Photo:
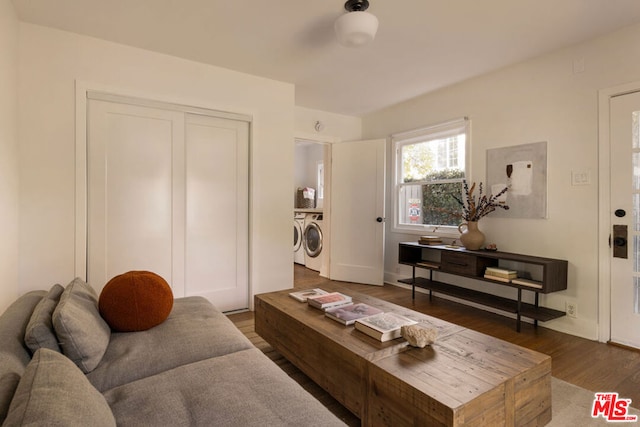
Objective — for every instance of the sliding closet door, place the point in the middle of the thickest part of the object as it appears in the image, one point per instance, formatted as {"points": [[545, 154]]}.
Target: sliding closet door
{"points": [[131, 172], [168, 193], [217, 206]]}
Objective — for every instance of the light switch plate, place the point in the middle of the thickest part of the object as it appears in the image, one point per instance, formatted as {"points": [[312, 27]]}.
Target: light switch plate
{"points": [[580, 177]]}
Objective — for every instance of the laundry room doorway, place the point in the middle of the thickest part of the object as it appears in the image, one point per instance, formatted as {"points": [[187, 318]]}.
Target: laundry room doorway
{"points": [[346, 228], [312, 202]]}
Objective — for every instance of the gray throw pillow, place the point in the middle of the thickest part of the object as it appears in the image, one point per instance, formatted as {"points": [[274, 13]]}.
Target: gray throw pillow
{"points": [[83, 335], [39, 332], [53, 391]]}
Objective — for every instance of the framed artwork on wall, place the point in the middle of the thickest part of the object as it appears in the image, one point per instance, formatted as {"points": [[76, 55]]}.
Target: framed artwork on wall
{"points": [[523, 169]]}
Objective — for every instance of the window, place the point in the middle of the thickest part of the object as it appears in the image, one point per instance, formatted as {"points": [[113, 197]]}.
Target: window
{"points": [[430, 165]]}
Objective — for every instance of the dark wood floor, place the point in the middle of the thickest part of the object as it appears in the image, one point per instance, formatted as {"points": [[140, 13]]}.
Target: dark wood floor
{"points": [[588, 364]]}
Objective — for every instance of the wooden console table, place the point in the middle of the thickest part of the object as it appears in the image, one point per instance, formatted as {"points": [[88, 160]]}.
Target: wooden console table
{"points": [[550, 276], [465, 378]]}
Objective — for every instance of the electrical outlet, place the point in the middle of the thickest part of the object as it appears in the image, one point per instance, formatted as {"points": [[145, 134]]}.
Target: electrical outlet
{"points": [[571, 309]]}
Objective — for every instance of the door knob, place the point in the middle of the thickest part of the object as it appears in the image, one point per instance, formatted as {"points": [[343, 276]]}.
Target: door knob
{"points": [[620, 248], [379, 219]]}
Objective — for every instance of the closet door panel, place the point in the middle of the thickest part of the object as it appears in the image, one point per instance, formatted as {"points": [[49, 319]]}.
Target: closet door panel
{"points": [[130, 181], [216, 237]]}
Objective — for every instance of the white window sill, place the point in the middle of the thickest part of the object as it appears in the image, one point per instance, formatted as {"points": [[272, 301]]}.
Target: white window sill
{"points": [[447, 232]]}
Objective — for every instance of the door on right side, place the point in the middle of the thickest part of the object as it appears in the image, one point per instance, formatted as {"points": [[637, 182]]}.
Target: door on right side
{"points": [[357, 212], [625, 219]]}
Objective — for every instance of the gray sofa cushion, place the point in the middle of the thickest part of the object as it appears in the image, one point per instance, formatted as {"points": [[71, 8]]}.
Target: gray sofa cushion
{"points": [[195, 330], [241, 389], [40, 333], [54, 391], [82, 333], [14, 356]]}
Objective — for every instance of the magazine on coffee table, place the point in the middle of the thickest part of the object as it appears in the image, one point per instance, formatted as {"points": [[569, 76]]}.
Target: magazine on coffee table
{"points": [[332, 299], [348, 314], [383, 327], [303, 295]]}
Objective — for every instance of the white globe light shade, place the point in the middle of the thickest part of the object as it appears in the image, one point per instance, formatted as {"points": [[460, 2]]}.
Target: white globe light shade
{"points": [[356, 28]]}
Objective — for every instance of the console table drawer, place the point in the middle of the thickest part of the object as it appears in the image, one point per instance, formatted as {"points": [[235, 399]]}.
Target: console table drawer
{"points": [[467, 264]]}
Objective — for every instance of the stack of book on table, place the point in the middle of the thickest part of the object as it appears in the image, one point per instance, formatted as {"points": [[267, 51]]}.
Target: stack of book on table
{"points": [[328, 300], [383, 326], [430, 240], [341, 308], [510, 276], [500, 274], [303, 295]]}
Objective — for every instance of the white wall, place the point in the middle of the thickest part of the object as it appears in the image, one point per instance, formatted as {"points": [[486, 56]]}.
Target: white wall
{"points": [[51, 61], [538, 100], [8, 154]]}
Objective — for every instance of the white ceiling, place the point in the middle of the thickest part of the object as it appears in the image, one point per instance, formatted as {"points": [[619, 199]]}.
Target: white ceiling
{"points": [[421, 45]]}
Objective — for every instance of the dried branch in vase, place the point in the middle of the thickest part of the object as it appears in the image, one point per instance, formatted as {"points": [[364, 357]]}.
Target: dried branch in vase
{"points": [[475, 208]]}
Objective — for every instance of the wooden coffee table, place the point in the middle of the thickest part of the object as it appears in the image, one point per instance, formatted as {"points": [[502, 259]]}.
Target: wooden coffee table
{"points": [[464, 378]]}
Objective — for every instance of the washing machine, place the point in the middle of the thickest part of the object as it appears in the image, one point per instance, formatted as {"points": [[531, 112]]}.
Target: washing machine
{"points": [[313, 241], [298, 237]]}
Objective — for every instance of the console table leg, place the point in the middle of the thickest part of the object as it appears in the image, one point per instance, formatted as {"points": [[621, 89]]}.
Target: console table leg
{"points": [[535, 321], [413, 283], [519, 309]]}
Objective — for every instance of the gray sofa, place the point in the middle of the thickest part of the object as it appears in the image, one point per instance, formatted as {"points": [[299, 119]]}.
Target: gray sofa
{"points": [[60, 366]]}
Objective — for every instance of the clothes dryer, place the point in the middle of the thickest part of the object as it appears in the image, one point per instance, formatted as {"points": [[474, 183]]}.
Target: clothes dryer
{"points": [[313, 241], [298, 237]]}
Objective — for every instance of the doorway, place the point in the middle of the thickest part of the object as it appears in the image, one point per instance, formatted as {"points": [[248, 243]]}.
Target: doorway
{"points": [[620, 216], [625, 219], [352, 210], [312, 165], [309, 167]]}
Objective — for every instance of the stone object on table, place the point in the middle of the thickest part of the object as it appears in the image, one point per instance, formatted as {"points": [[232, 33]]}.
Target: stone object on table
{"points": [[418, 336]]}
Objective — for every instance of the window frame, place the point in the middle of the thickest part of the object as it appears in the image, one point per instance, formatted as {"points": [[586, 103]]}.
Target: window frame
{"points": [[424, 134]]}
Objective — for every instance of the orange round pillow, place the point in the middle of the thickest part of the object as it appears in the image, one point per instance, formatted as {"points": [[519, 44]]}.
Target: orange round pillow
{"points": [[135, 301]]}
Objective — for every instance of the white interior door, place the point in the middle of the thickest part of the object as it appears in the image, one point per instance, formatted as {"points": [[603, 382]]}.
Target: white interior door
{"points": [[217, 207], [357, 212], [131, 172], [625, 212], [168, 192]]}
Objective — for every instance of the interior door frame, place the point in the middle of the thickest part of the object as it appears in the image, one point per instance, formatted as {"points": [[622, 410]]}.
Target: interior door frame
{"points": [[327, 141], [82, 89], [604, 205]]}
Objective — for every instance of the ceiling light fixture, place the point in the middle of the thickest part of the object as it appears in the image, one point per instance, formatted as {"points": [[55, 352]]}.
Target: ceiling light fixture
{"points": [[357, 27]]}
